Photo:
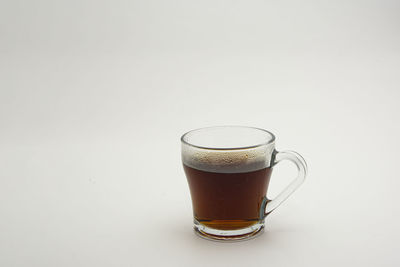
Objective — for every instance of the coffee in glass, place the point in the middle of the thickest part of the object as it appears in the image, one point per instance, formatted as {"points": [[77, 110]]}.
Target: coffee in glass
{"points": [[228, 169]]}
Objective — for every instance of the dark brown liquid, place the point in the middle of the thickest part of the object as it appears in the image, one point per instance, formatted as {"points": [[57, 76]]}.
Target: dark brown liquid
{"points": [[227, 201]]}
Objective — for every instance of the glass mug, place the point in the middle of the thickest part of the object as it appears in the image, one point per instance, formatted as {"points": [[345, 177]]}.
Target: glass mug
{"points": [[228, 170]]}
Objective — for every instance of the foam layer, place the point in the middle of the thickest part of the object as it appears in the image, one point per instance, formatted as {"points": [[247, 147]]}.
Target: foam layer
{"points": [[224, 161]]}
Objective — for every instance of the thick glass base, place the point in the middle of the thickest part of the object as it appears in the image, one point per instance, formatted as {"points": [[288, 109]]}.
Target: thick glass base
{"points": [[229, 235]]}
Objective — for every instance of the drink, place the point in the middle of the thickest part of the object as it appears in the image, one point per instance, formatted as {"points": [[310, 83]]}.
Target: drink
{"points": [[228, 169], [228, 201]]}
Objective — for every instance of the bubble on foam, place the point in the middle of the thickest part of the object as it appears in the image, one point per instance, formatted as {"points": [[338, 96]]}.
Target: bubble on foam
{"points": [[223, 158], [227, 161]]}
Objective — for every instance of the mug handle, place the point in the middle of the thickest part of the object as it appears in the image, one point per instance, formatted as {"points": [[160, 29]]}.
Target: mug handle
{"points": [[301, 165]]}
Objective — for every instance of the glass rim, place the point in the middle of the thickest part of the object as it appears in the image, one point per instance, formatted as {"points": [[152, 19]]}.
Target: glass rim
{"points": [[272, 139]]}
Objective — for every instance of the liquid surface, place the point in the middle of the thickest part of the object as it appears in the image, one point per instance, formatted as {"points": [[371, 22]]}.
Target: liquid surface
{"points": [[227, 201]]}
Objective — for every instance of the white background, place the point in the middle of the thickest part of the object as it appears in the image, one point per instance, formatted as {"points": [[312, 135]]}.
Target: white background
{"points": [[94, 96]]}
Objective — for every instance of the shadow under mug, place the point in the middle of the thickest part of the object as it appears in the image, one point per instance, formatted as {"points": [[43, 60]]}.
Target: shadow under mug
{"points": [[228, 169]]}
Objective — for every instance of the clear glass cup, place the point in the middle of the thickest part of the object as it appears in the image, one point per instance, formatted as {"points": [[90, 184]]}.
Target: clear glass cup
{"points": [[228, 170]]}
